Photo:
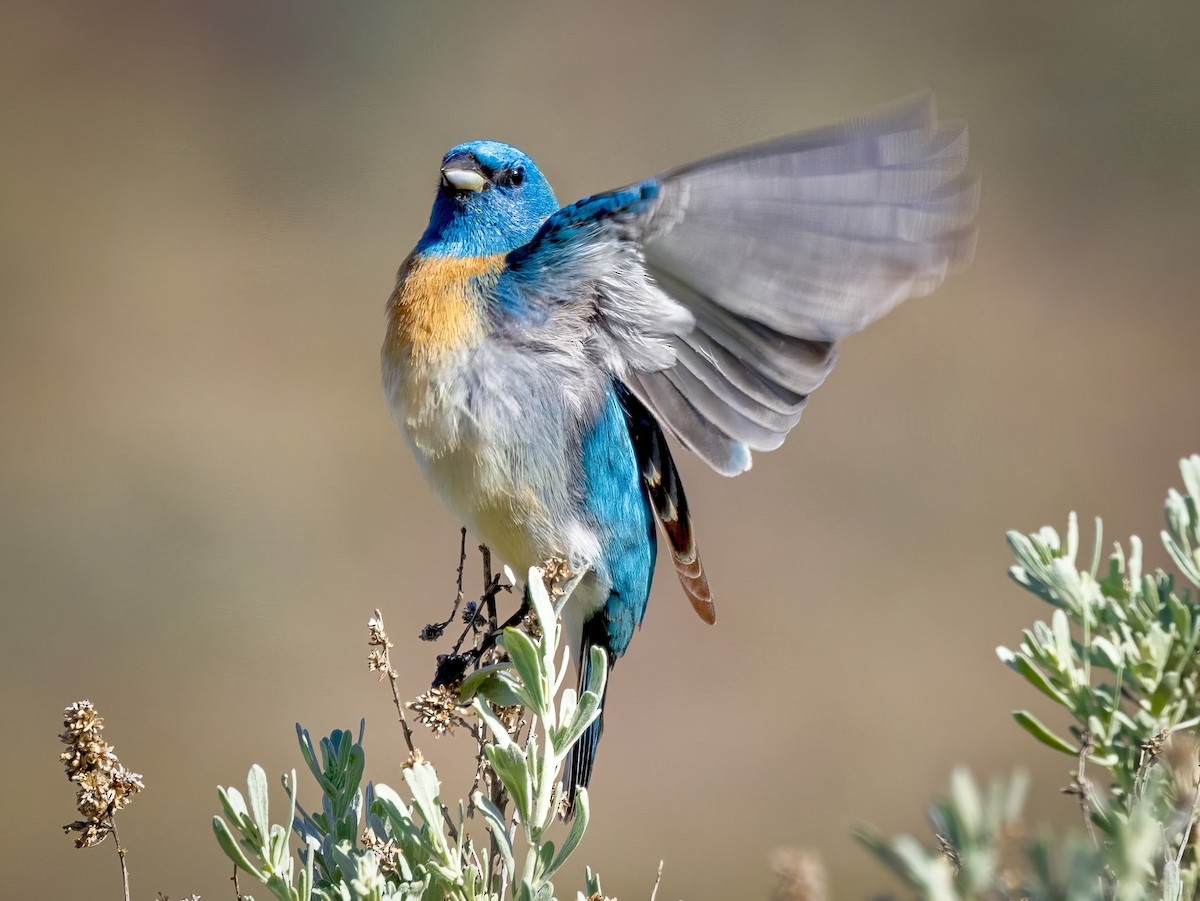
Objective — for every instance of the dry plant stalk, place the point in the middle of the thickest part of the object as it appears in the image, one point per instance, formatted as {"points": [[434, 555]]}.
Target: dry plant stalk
{"points": [[104, 786]]}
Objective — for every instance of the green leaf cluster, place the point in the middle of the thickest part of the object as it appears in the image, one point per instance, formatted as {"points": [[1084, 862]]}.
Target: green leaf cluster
{"points": [[1119, 658], [371, 844]]}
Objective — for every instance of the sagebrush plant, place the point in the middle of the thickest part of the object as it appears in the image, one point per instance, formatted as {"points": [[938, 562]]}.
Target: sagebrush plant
{"points": [[1119, 655], [373, 842]]}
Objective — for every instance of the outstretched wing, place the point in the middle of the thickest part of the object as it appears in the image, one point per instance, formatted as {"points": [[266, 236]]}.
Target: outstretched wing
{"points": [[717, 292]]}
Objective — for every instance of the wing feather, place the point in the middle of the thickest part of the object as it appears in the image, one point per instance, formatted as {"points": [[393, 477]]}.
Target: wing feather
{"points": [[663, 486], [720, 289]]}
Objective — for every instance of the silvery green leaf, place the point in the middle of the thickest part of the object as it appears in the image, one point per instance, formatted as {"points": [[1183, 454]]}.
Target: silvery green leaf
{"points": [[1014, 801], [566, 706], [423, 782], [308, 752], [1097, 548], [1172, 888], [1023, 549], [564, 665], [529, 665], [874, 842], [391, 808], [510, 766], [1111, 656], [304, 889], [279, 856], [1072, 537], [1185, 561], [1023, 665], [290, 787], [541, 864], [591, 882], [598, 672], [1046, 543], [471, 685], [585, 712], [913, 859], [966, 800], [1178, 518], [578, 827], [235, 808], [233, 850], [499, 732], [493, 819], [1034, 727], [355, 764], [1189, 468], [1134, 566], [1062, 636], [543, 610]]}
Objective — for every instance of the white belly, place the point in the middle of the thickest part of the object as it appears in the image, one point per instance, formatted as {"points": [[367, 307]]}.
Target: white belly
{"points": [[511, 491]]}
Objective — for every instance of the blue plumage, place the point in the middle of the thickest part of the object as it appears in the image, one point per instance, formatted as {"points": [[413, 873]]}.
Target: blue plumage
{"points": [[478, 223], [536, 358], [616, 502]]}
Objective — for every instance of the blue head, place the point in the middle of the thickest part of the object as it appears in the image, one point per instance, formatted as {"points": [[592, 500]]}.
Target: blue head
{"points": [[492, 199]]}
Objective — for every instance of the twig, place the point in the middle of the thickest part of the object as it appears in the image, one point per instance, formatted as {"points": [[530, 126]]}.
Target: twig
{"points": [[1149, 753], [491, 588], [487, 600], [462, 560], [1082, 787], [237, 889], [1187, 832], [489, 596], [478, 732], [657, 880], [434, 631], [112, 825], [384, 665]]}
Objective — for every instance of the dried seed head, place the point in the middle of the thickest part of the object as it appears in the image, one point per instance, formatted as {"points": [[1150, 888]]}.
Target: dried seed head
{"points": [[378, 637], [386, 853], [103, 785], [438, 709], [378, 659], [510, 717], [555, 574]]}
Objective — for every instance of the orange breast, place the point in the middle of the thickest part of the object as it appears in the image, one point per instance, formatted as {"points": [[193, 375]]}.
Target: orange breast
{"points": [[435, 308]]}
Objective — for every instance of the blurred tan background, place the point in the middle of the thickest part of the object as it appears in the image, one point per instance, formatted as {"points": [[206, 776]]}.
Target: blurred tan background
{"points": [[202, 207]]}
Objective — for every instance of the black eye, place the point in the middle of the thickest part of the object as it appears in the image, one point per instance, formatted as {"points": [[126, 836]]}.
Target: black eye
{"points": [[511, 178]]}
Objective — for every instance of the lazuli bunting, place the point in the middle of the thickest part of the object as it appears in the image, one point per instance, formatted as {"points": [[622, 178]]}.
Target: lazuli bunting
{"points": [[536, 358]]}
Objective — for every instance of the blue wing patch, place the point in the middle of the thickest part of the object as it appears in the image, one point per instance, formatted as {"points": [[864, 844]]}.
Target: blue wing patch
{"points": [[575, 226]]}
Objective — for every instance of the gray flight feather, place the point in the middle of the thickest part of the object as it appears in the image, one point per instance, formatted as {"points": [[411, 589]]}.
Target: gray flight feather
{"points": [[717, 292], [782, 249]]}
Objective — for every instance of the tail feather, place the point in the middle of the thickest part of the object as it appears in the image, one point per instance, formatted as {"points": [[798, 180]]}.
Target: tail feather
{"points": [[583, 757], [665, 490]]}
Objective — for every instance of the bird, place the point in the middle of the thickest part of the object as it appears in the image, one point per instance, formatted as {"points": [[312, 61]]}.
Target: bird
{"points": [[540, 359]]}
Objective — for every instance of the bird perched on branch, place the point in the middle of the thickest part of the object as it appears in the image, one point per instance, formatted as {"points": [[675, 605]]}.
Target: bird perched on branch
{"points": [[536, 358]]}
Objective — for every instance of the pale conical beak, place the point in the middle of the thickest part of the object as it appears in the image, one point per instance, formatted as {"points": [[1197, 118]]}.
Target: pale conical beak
{"points": [[464, 179]]}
